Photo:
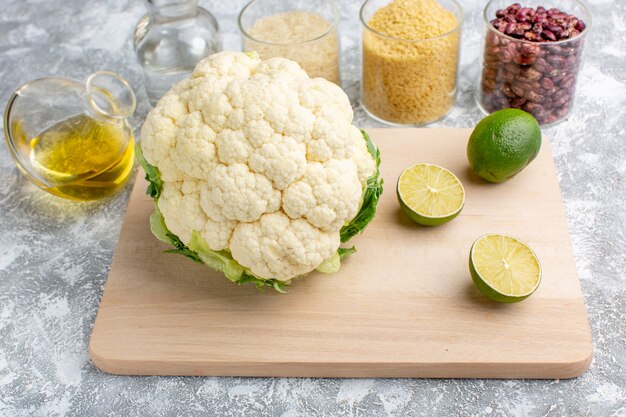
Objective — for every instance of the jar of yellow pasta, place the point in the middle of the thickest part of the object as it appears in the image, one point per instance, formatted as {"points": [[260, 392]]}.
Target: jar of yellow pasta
{"points": [[410, 59]]}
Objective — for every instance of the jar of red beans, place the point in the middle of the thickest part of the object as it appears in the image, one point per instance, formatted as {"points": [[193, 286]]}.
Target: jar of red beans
{"points": [[533, 54]]}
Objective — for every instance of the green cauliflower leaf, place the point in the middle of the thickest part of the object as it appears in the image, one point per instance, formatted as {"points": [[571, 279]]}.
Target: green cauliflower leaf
{"points": [[371, 195]]}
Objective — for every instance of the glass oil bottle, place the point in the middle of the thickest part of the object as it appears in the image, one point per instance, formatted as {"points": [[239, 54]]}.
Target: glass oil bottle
{"points": [[72, 139]]}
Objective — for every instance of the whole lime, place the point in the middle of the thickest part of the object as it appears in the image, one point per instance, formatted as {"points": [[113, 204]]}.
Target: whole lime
{"points": [[503, 143]]}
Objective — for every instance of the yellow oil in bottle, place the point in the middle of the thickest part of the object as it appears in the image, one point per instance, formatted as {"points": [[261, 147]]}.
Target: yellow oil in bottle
{"points": [[83, 158]]}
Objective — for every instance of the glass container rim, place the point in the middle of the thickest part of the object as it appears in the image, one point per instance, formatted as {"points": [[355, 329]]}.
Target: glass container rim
{"points": [[457, 28], [581, 35], [92, 90], [333, 26]]}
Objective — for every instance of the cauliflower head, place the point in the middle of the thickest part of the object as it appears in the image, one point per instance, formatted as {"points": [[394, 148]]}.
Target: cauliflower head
{"points": [[257, 171]]}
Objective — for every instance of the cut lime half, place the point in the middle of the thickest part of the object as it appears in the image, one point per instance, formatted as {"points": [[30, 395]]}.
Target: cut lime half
{"points": [[503, 268], [429, 194]]}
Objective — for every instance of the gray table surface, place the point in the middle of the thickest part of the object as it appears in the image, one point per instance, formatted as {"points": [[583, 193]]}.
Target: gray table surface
{"points": [[55, 254]]}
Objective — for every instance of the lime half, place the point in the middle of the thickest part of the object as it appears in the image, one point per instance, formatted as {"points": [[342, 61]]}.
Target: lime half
{"points": [[429, 194], [503, 268]]}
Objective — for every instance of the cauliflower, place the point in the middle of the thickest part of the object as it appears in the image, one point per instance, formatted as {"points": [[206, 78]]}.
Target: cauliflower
{"points": [[257, 171]]}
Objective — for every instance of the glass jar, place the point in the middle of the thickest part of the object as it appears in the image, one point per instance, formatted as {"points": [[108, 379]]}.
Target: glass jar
{"points": [[409, 81], [72, 138], [170, 40], [300, 30], [538, 77]]}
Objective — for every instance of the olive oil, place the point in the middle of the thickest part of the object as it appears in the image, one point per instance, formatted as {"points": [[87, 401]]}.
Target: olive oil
{"points": [[84, 158]]}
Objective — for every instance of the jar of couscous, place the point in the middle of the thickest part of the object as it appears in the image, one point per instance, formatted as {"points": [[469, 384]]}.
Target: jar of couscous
{"points": [[410, 58], [301, 30]]}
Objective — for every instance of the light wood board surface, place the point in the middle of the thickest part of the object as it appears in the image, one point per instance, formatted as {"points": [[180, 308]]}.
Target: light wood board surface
{"points": [[403, 306]]}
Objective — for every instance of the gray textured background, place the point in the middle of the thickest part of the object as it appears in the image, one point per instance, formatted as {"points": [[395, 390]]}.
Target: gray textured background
{"points": [[55, 255]]}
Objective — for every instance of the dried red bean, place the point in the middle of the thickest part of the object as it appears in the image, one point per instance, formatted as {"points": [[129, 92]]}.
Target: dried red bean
{"points": [[529, 50], [490, 73], [530, 74], [523, 14], [512, 68], [559, 95], [518, 90], [513, 8], [554, 49], [506, 90], [555, 74], [524, 60], [510, 28], [532, 36], [533, 107], [542, 66], [493, 39], [570, 61], [508, 76], [548, 35], [505, 56], [512, 47], [568, 85], [535, 97], [560, 102], [562, 34], [555, 60], [569, 78], [547, 83], [490, 84], [518, 102]]}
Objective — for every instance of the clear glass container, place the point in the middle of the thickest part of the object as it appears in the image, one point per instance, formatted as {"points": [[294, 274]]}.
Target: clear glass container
{"points": [[303, 31], [170, 40], [538, 77], [72, 138], [409, 81]]}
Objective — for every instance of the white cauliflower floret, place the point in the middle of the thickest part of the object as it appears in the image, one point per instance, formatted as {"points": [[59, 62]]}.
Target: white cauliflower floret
{"points": [[233, 147], [260, 160], [183, 198], [195, 150], [161, 155], [323, 200], [235, 193], [279, 247], [282, 160]]}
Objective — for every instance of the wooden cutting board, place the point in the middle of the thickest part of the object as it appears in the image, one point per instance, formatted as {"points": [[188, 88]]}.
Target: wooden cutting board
{"points": [[402, 306]]}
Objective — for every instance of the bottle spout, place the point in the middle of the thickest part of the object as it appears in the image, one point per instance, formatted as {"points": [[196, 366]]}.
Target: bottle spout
{"points": [[110, 95]]}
